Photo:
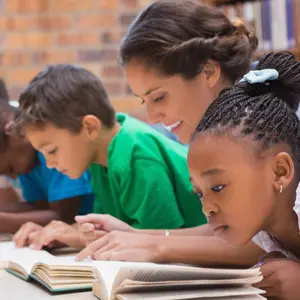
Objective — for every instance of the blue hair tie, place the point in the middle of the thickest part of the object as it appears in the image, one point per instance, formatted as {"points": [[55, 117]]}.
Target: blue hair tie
{"points": [[260, 76]]}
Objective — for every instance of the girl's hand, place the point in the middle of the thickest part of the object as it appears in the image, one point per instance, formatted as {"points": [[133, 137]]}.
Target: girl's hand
{"points": [[57, 234], [123, 246], [281, 279]]}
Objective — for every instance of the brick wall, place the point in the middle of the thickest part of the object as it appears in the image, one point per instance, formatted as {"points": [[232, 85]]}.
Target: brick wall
{"points": [[34, 33]]}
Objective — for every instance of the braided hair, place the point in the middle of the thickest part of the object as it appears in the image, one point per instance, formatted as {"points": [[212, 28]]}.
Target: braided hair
{"points": [[265, 111]]}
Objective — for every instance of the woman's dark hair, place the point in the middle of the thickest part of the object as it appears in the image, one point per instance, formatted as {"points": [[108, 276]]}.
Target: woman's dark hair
{"points": [[179, 37], [264, 111]]}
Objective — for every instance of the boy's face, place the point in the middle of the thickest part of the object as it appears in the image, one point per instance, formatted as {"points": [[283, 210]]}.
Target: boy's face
{"points": [[19, 157], [69, 153], [237, 187]]}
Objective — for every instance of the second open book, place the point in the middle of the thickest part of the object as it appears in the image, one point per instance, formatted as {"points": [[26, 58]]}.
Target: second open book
{"points": [[57, 274], [126, 280]]}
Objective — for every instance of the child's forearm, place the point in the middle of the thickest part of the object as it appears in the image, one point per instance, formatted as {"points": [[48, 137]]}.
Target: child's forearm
{"points": [[207, 251], [11, 222], [9, 202]]}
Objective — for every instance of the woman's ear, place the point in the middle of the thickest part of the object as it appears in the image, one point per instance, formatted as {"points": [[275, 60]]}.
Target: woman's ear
{"points": [[284, 171], [212, 73]]}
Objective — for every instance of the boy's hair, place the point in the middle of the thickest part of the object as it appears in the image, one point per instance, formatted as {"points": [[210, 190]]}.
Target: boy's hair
{"points": [[265, 111], [62, 95], [179, 37]]}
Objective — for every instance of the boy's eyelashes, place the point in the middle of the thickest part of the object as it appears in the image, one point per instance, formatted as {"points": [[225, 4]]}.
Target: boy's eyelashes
{"points": [[52, 151], [159, 98], [198, 193]]}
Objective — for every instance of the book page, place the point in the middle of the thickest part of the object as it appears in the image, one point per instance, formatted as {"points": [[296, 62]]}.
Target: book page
{"points": [[148, 297], [24, 257], [105, 273], [160, 273], [27, 258], [112, 274], [241, 293], [129, 286]]}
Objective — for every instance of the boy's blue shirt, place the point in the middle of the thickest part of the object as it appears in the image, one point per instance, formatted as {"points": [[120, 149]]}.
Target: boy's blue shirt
{"points": [[43, 183]]}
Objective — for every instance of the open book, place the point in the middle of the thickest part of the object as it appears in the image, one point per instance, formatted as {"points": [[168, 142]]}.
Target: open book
{"points": [[131, 281], [57, 274]]}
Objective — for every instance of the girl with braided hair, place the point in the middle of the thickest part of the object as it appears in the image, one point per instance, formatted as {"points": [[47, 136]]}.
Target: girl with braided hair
{"points": [[250, 189]]}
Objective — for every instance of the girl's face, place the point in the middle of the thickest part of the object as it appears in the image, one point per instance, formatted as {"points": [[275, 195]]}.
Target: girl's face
{"points": [[236, 186], [174, 101]]}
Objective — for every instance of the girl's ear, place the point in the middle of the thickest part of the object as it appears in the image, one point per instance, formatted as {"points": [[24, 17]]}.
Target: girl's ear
{"points": [[284, 171]]}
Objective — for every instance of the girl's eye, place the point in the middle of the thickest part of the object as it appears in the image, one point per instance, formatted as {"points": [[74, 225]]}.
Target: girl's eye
{"points": [[199, 194], [218, 188], [52, 151]]}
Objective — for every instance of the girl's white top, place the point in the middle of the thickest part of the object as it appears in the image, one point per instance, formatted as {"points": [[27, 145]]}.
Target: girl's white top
{"points": [[269, 244]]}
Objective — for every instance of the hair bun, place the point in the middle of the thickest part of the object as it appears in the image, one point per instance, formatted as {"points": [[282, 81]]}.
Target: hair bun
{"points": [[241, 29], [239, 26]]}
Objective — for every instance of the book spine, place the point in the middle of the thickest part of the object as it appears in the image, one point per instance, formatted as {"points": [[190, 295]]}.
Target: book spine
{"points": [[279, 25], [290, 23], [266, 24], [258, 23]]}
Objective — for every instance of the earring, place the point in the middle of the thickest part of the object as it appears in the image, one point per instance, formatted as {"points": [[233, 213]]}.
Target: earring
{"points": [[281, 189]]}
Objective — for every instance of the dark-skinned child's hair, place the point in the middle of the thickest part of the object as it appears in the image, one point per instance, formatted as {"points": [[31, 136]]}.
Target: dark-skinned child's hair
{"points": [[266, 112]]}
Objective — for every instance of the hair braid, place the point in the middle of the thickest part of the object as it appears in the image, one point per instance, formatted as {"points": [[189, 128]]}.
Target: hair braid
{"points": [[266, 111]]}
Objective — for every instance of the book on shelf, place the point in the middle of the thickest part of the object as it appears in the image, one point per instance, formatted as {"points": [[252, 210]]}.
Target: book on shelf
{"points": [[57, 274], [272, 20], [130, 281]]}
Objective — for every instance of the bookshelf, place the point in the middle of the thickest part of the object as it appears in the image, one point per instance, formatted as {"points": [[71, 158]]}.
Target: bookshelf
{"points": [[276, 22]]}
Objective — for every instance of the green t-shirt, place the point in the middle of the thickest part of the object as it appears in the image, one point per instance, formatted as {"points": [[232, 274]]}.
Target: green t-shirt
{"points": [[147, 182]]}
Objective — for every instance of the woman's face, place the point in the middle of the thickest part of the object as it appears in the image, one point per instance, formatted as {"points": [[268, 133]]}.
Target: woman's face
{"points": [[174, 101]]}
